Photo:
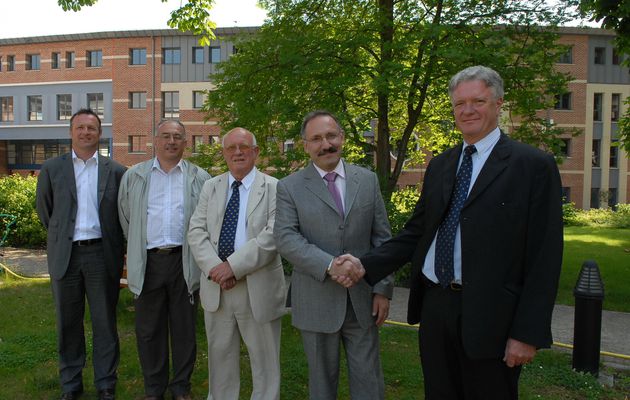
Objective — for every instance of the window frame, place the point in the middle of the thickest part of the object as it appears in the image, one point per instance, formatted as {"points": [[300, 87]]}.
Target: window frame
{"points": [[55, 60], [100, 104], [33, 62], [67, 107], [211, 59], [564, 102], [138, 56], [7, 109], [599, 55], [175, 57], [137, 100], [197, 55], [94, 58], [34, 115], [70, 59], [171, 112]]}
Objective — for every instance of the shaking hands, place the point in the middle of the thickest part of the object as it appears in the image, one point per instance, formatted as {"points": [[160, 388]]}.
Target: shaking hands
{"points": [[346, 270]]}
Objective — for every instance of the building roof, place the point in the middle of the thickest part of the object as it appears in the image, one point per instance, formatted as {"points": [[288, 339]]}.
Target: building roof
{"points": [[122, 34]]}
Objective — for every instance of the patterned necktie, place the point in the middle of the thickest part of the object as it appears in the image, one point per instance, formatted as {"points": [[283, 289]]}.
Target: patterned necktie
{"points": [[445, 243], [230, 220], [330, 182]]}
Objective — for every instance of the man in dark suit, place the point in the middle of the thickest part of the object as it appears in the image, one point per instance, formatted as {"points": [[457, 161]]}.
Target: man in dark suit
{"points": [[329, 208], [77, 203], [485, 243]]}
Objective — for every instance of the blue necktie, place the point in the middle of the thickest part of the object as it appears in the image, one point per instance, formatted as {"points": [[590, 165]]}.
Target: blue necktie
{"points": [[230, 221], [445, 244]]}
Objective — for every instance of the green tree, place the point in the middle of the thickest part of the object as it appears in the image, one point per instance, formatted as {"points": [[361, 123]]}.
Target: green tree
{"points": [[386, 64], [193, 16]]}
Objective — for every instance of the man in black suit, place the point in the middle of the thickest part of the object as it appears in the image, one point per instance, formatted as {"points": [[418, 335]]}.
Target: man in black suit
{"points": [[77, 203], [485, 243]]}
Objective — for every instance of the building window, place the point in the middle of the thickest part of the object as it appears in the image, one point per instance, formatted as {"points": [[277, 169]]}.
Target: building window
{"points": [[0, 63], [234, 50], [565, 147], [10, 63], [171, 56], [215, 55], [616, 60], [32, 62], [6, 109], [95, 103], [137, 144], [288, 145], [64, 107], [55, 60], [612, 198], [597, 106], [137, 56], [566, 58], [563, 101], [614, 106], [197, 55], [594, 197], [614, 156], [34, 108], [69, 59], [170, 104], [596, 152], [138, 100], [94, 58], [600, 55], [566, 194], [213, 139], [199, 98], [197, 142]]}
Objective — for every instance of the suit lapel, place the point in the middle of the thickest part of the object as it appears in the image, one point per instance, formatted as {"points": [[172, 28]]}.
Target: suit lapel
{"points": [[352, 186], [68, 171], [315, 184], [494, 165], [103, 175], [220, 197], [256, 193], [450, 173]]}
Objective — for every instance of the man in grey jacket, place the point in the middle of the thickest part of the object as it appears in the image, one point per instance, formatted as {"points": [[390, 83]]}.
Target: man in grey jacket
{"points": [[155, 202]]}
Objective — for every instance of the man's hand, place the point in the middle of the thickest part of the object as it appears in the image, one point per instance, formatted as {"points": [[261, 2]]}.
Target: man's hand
{"points": [[221, 274], [346, 270], [518, 353], [380, 308], [228, 284]]}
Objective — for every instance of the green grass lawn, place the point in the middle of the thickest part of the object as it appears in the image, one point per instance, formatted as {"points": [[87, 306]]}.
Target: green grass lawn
{"points": [[610, 248], [28, 359]]}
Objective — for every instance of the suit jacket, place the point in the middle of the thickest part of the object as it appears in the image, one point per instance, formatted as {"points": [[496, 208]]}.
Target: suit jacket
{"points": [[511, 233], [257, 260], [56, 202], [309, 232], [133, 202]]}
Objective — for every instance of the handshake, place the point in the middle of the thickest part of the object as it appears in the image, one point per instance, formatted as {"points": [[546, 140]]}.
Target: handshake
{"points": [[346, 270]]}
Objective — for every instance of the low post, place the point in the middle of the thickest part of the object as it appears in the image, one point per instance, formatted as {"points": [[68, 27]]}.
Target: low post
{"points": [[589, 296]]}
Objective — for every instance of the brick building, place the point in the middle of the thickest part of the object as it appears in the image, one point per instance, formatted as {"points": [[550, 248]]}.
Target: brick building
{"points": [[133, 79]]}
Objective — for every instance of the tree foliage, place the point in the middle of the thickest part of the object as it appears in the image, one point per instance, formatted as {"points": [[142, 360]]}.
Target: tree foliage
{"points": [[385, 65], [193, 16]]}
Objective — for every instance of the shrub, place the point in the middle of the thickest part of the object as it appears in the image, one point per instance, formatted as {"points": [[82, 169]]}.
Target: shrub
{"points": [[17, 197], [597, 217]]}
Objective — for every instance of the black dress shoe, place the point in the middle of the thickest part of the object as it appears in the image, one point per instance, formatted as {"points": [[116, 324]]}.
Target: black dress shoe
{"points": [[106, 394], [71, 395]]}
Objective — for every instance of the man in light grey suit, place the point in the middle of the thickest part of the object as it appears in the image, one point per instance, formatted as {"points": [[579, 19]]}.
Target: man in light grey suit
{"points": [[244, 293], [325, 210], [156, 199], [76, 202]]}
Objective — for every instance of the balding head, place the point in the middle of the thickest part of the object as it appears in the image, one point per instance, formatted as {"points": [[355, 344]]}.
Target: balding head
{"points": [[240, 151]]}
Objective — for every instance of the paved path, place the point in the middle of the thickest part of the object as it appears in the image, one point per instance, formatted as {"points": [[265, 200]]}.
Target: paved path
{"points": [[615, 336]]}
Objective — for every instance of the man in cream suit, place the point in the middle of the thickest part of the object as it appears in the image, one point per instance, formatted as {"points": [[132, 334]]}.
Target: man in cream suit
{"points": [[326, 209], [231, 238]]}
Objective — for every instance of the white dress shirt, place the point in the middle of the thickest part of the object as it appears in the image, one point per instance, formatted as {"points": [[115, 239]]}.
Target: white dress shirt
{"points": [[165, 211], [484, 148], [240, 238], [340, 181], [87, 224]]}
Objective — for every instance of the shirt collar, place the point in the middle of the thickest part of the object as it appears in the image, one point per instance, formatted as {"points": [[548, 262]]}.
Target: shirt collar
{"points": [[247, 181], [156, 165], [339, 169], [94, 157], [487, 143]]}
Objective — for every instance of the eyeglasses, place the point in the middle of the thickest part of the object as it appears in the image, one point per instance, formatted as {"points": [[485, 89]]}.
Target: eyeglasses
{"points": [[330, 137], [242, 147], [175, 136]]}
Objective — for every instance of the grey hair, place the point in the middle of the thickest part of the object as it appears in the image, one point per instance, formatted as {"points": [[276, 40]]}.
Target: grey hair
{"points": [[314, 114], [174, 121], [254, 143], [478, 73]]}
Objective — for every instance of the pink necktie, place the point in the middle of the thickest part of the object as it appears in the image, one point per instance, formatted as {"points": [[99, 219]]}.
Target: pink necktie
{"points": [[330, 180]]}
